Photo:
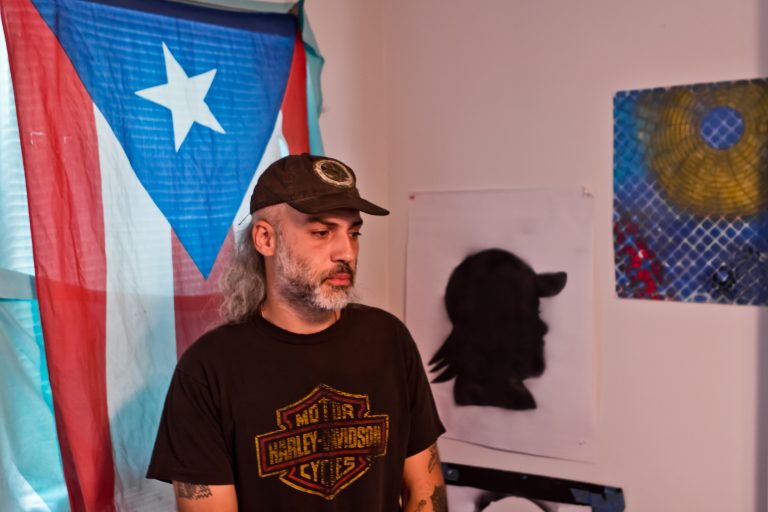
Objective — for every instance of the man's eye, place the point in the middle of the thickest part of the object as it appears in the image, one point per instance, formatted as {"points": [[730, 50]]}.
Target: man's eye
{"points": [[321, 233], [356, 234]]}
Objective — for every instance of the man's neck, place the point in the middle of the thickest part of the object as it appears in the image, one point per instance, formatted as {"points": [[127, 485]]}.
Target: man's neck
{"points": [[297, 321]]}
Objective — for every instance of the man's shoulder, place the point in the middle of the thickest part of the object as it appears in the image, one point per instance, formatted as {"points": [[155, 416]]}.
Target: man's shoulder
{"points": [[377, 320], [371, 313], [217, 343]]}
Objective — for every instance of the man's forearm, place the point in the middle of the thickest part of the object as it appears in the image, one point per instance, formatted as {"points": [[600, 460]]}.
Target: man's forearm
{"points": [[436, 502], [424, 488]]}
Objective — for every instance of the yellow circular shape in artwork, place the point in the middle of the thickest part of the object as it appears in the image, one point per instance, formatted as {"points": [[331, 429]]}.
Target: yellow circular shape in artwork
{"points": [[706, 146]]}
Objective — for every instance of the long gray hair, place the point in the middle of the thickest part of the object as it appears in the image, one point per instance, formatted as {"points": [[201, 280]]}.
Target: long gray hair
{"points": [[243, 283]]}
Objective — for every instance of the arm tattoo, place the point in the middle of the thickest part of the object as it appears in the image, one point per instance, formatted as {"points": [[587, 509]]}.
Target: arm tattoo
{"points": [[439, 499], [192, 491], [433, 457], [421, 505]]}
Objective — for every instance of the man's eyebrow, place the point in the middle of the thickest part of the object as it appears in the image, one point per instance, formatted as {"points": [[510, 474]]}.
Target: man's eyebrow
{"points": [[330, 223]]}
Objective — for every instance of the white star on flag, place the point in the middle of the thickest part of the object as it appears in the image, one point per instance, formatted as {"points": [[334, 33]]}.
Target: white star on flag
{"points": [[184, 96]]}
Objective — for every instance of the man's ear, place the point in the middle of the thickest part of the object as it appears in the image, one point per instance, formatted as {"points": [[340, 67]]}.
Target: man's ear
{"points": [[264, 237]]}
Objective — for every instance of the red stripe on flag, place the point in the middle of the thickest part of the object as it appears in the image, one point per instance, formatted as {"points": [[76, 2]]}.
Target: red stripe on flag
{"points": [[61, 161], [196, 299], [295, 128]]}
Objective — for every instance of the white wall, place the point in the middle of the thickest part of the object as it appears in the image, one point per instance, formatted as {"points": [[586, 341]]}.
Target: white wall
{"points": [[353, 123], [442, 94]]}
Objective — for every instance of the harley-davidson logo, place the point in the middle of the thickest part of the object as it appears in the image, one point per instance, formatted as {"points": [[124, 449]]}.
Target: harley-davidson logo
{"points": [[326, 441]]}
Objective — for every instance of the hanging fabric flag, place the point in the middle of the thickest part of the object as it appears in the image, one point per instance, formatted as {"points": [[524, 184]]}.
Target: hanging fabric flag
{"points": [[143, 126]]}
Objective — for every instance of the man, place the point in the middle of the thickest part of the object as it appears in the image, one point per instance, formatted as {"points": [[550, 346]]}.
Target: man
{"points": [[302, 401]]}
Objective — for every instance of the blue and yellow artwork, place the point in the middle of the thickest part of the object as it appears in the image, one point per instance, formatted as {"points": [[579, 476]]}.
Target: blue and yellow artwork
{"points": [[690, 219]]}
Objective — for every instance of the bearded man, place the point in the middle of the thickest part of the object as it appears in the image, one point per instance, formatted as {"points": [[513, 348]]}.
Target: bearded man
{"points": [[303, 400]]}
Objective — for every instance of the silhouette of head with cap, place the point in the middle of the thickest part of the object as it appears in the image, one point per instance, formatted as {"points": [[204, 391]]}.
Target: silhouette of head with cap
{"points": [[497, 340]]}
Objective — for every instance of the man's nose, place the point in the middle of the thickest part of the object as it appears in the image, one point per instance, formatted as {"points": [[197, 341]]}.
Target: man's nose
{"points": [[344, 249]]}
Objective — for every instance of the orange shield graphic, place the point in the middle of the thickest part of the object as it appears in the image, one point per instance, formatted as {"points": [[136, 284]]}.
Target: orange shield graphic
{"points": [[324, 442]]}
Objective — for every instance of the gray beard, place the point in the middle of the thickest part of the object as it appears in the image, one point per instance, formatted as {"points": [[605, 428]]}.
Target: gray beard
{"points": [[305, 291]]}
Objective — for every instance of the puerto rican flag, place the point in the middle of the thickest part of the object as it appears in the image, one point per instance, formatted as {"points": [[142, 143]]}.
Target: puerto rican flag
{"points": [[143, 126]]}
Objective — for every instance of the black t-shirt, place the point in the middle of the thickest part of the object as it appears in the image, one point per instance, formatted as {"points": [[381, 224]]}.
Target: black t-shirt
{"points": [[315, 422]]}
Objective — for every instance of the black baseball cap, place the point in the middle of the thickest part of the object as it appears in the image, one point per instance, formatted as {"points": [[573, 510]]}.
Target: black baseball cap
{"points": [[310, 184]]}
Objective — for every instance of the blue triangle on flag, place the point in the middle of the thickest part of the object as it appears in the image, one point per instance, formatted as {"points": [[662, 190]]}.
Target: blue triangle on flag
{"points": [[195, 143]]}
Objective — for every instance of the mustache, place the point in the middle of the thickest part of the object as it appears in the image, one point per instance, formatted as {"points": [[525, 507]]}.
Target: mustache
{"points": [[341, 268]]}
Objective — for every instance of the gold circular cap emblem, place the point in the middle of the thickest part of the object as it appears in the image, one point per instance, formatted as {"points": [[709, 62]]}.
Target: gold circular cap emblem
{"points": [[334, 173]]}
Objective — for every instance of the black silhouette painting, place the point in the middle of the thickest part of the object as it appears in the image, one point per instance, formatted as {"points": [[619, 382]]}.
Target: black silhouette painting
{"points": [[497, 340]]}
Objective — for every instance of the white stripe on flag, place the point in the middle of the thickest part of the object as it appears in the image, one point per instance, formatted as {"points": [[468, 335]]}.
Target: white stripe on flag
{"points": [[140, 328], [277, 147]]}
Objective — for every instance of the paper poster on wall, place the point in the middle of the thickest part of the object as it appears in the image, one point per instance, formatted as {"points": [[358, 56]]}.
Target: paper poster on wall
{"points": [[691, 193], [499, 301]]}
